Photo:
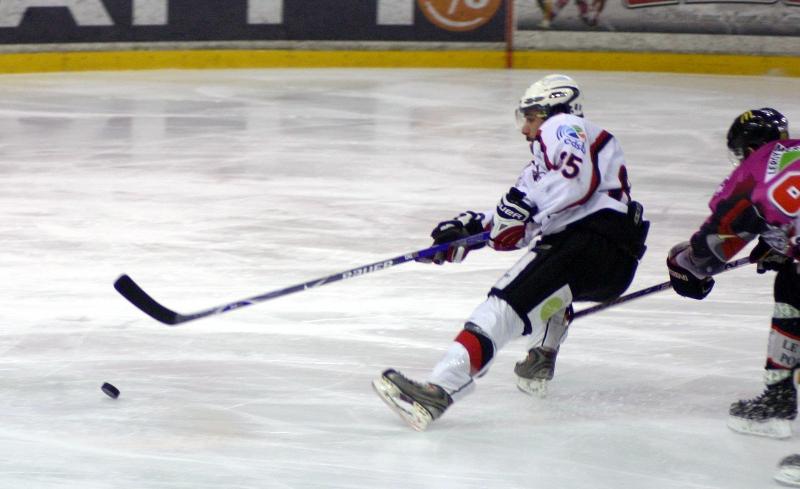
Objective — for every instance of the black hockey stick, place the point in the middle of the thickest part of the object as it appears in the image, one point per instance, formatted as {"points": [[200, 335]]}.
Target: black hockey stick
{"points": [[139, 298], [649, 290]]}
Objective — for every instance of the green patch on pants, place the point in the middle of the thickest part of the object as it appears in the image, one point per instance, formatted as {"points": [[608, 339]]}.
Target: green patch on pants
{"points": [[550, 307]]}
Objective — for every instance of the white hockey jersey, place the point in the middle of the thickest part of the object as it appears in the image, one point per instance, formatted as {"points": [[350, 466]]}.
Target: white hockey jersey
{"points": [[577, 170]]}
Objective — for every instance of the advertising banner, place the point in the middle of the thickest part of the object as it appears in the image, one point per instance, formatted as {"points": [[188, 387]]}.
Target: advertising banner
{"points": [[746, 17], [98, 21]]}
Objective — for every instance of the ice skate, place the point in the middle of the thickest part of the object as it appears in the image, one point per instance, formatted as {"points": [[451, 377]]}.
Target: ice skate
{"points": [[788, 472], [536, 371], [770, 414], [418, 404]]}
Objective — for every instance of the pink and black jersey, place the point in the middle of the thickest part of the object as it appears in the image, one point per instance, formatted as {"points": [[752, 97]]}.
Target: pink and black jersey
{"points": [[760, 198]]}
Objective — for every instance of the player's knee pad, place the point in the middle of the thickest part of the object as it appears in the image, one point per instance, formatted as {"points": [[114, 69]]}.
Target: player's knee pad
{"points": [[479, 347], [535, 315], [556, 305]]}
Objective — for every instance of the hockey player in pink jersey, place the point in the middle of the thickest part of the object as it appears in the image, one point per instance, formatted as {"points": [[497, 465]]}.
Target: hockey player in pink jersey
{"points": [[760, 199], [575, 194]]}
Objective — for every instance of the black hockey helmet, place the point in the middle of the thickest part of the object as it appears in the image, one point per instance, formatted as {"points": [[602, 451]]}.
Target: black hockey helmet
{"points": [[754, 128]]}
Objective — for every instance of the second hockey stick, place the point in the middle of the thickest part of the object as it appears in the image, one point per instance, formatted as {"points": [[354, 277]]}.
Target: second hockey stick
{"points": [[649, 290], [141, 299]]}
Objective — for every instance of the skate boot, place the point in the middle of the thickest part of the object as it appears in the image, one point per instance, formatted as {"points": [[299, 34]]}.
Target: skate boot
{"points": [[788, 472], [536, 371], [770, 414], [418, 404]]}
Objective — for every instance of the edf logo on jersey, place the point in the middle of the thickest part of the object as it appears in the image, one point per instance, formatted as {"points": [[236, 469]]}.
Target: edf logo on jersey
{"points": [[573, 136]]}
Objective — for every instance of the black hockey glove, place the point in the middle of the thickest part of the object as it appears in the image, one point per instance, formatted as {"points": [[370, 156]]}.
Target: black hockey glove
{"points": [[510, 220], [767, 258], [683, 279], [463, 225]]}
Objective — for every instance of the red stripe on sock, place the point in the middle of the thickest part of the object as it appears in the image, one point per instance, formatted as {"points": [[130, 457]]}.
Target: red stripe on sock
{"points": [[775, 365], [474, 350], [785, 333]]}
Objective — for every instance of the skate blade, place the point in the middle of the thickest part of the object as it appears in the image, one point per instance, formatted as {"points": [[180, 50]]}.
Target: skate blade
{"points": [[533, 387], [772, 428], [788, 475], [410, 411]]}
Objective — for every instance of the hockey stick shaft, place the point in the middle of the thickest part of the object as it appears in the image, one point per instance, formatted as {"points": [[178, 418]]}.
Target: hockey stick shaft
{"points": [[141, 299], [649, 290]]}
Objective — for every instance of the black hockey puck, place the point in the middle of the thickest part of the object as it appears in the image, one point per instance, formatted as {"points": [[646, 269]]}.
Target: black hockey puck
{"points": [[110, 390]]}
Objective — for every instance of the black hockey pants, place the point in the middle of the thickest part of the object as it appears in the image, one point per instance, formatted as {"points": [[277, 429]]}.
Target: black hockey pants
{"points": [[596, 257]]}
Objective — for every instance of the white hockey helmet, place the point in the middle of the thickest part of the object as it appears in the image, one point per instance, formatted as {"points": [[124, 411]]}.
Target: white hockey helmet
{"points": [[553, 94]]}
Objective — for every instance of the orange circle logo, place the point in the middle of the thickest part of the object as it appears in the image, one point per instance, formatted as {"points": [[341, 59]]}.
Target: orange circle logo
{"points": [[459, 15]]}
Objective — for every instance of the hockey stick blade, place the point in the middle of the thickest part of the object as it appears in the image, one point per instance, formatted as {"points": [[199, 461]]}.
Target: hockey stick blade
{"points": [[649, 290], [141, 299]]}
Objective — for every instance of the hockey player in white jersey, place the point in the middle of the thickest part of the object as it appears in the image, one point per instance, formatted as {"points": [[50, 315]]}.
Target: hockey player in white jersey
{"points": [[575, 197]]}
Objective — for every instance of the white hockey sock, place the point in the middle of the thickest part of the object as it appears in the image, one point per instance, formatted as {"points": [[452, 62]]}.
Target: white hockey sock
{"points": [[555, 331], [453, 372]]}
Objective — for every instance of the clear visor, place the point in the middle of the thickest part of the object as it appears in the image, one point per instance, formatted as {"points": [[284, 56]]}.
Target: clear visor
{"points": [[520, 117], [535, 111]]}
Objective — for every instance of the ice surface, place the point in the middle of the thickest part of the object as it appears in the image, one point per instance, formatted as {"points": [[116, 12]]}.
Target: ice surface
{"points": [[211, 186]]}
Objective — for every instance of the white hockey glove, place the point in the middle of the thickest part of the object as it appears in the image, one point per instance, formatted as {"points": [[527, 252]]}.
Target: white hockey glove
{"points": [[509, 222], [463, 225]]}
